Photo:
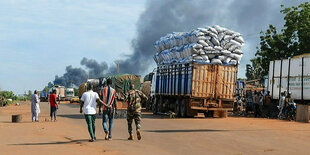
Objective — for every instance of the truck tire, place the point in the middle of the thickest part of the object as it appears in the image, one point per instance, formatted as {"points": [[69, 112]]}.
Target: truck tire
{"points": [[159, 104], [177, 108], [154, 105], [209, 114], [183, 108]]}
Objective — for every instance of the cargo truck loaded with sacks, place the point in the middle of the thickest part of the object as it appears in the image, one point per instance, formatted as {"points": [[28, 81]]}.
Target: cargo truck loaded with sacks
{"points": [[196, 72]]}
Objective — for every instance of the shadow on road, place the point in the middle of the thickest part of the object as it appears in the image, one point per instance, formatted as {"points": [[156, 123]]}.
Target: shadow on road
{"points": [[186, 130], [74, 116], [120, 115], [71, 141]]}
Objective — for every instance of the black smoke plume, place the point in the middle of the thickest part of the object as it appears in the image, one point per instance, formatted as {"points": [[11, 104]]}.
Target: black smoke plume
{"points": [[166, 16], [76, 76], [94, 68]]}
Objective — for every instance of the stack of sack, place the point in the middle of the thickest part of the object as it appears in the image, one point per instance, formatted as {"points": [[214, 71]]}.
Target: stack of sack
{"points": [[214, 45]]}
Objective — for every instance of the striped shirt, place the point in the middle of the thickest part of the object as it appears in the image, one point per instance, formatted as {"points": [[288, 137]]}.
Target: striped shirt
{"points": [[109, 95]]}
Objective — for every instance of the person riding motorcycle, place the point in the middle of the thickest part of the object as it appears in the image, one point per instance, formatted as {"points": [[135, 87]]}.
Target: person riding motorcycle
{"points": [[288, 99], [290, 106]]}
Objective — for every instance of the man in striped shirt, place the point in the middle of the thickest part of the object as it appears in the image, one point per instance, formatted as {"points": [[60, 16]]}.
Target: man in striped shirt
{"points": [[109, 98]]}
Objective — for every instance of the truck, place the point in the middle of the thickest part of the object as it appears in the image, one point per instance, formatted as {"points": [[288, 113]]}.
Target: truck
{"points": [[120, 82], [69, 94], [60, 92], [290, 75], [193, 88]]}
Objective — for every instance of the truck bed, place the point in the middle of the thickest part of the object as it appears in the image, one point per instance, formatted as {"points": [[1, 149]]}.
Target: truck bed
{"points": [[197, 80]]}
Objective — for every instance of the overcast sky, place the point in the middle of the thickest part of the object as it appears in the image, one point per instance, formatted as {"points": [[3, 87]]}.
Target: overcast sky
{"points": [[38, 39]]}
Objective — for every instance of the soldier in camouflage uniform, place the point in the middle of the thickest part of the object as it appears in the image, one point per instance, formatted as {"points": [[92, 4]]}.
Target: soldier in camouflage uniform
{"points": [[134, 110]]}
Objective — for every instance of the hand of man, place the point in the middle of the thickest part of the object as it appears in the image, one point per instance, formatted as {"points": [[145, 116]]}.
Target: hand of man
{"points": [[81, 111], [115, 112]]}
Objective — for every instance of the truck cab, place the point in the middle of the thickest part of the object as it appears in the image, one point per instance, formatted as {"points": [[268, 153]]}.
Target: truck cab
{"points": [[69, 93]]}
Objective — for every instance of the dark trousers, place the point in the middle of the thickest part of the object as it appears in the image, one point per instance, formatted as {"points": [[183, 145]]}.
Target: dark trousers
{"points": [[90, 120], [257, 111], [53, 112]]}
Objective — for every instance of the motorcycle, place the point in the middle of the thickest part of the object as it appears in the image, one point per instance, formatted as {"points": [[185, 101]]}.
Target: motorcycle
{"points": [[289, 113]]}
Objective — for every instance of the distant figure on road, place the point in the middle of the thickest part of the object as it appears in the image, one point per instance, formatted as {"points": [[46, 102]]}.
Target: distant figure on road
{"points": [[288, 99], [281, 104], [256, 104], [109, 98], [54, 105], [133, 97], [89, 100], [267, 104], [35, 107]]}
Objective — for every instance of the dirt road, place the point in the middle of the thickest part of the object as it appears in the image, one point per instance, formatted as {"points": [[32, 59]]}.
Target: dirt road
{"points": [[160, 135]]}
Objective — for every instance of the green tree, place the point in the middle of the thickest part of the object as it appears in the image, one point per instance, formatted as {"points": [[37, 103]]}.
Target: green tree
{"points": [[76, 92], [29, 94], [294, 39]]}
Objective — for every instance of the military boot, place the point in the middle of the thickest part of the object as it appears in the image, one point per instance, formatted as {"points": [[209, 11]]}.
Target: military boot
{"points": [[138, 134], [130, 137]]}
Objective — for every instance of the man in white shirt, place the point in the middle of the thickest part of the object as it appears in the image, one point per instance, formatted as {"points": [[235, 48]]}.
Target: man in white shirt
{"points": [[89, 101], [35, 107]]}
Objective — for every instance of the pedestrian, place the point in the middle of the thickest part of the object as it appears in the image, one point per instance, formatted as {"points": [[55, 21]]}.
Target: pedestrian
{"points": [[53, 105], [249, 104], [35, 107], [89, 101], [281, 104], [109, 98], [133, 97], [288, 99], [267, 104], [256, 104], [59, 98]]}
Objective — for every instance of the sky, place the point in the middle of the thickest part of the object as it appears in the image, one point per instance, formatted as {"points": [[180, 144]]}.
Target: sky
{"points": [[40, 38]]}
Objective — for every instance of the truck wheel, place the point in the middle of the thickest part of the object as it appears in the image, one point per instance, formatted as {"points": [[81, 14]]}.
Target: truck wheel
{"points": [[159, 105], [177, 108], [154, 105], [183, 108], [209, 113]]}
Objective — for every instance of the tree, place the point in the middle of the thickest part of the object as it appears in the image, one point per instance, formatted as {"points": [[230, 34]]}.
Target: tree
{"points": [[294, 39], [29, 94], [76, 92]]}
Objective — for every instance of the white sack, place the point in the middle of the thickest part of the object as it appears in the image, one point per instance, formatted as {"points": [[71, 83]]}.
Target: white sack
{"points": [[215, 41], [216, 61]]}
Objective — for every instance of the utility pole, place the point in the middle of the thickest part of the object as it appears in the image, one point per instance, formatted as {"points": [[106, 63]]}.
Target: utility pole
{"points": [[117, 68]]}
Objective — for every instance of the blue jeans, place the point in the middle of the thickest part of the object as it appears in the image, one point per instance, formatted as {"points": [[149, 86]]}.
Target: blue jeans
{"points": [[107, 115]]}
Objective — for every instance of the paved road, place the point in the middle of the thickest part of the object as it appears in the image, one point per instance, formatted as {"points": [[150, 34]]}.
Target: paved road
{"points": [[160, 135]]}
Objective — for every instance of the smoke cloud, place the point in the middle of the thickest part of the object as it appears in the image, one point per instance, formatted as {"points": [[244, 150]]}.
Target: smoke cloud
{"points": [[95, 69], [166, 16], [76, 76]]}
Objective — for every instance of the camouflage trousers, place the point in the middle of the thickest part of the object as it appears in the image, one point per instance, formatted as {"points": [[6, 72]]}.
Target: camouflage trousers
{"points": [[133, 115]]}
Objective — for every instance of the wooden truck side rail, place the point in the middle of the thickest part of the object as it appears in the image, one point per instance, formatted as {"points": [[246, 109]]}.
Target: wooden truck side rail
{"points": [[195, 88]]}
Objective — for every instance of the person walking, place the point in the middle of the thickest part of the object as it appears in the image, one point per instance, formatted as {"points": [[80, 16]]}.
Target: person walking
{"points": [[133, 97], [256, 104], [267, 104], [109, 98], [35, 107], [89, 101], [53, 105]]}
